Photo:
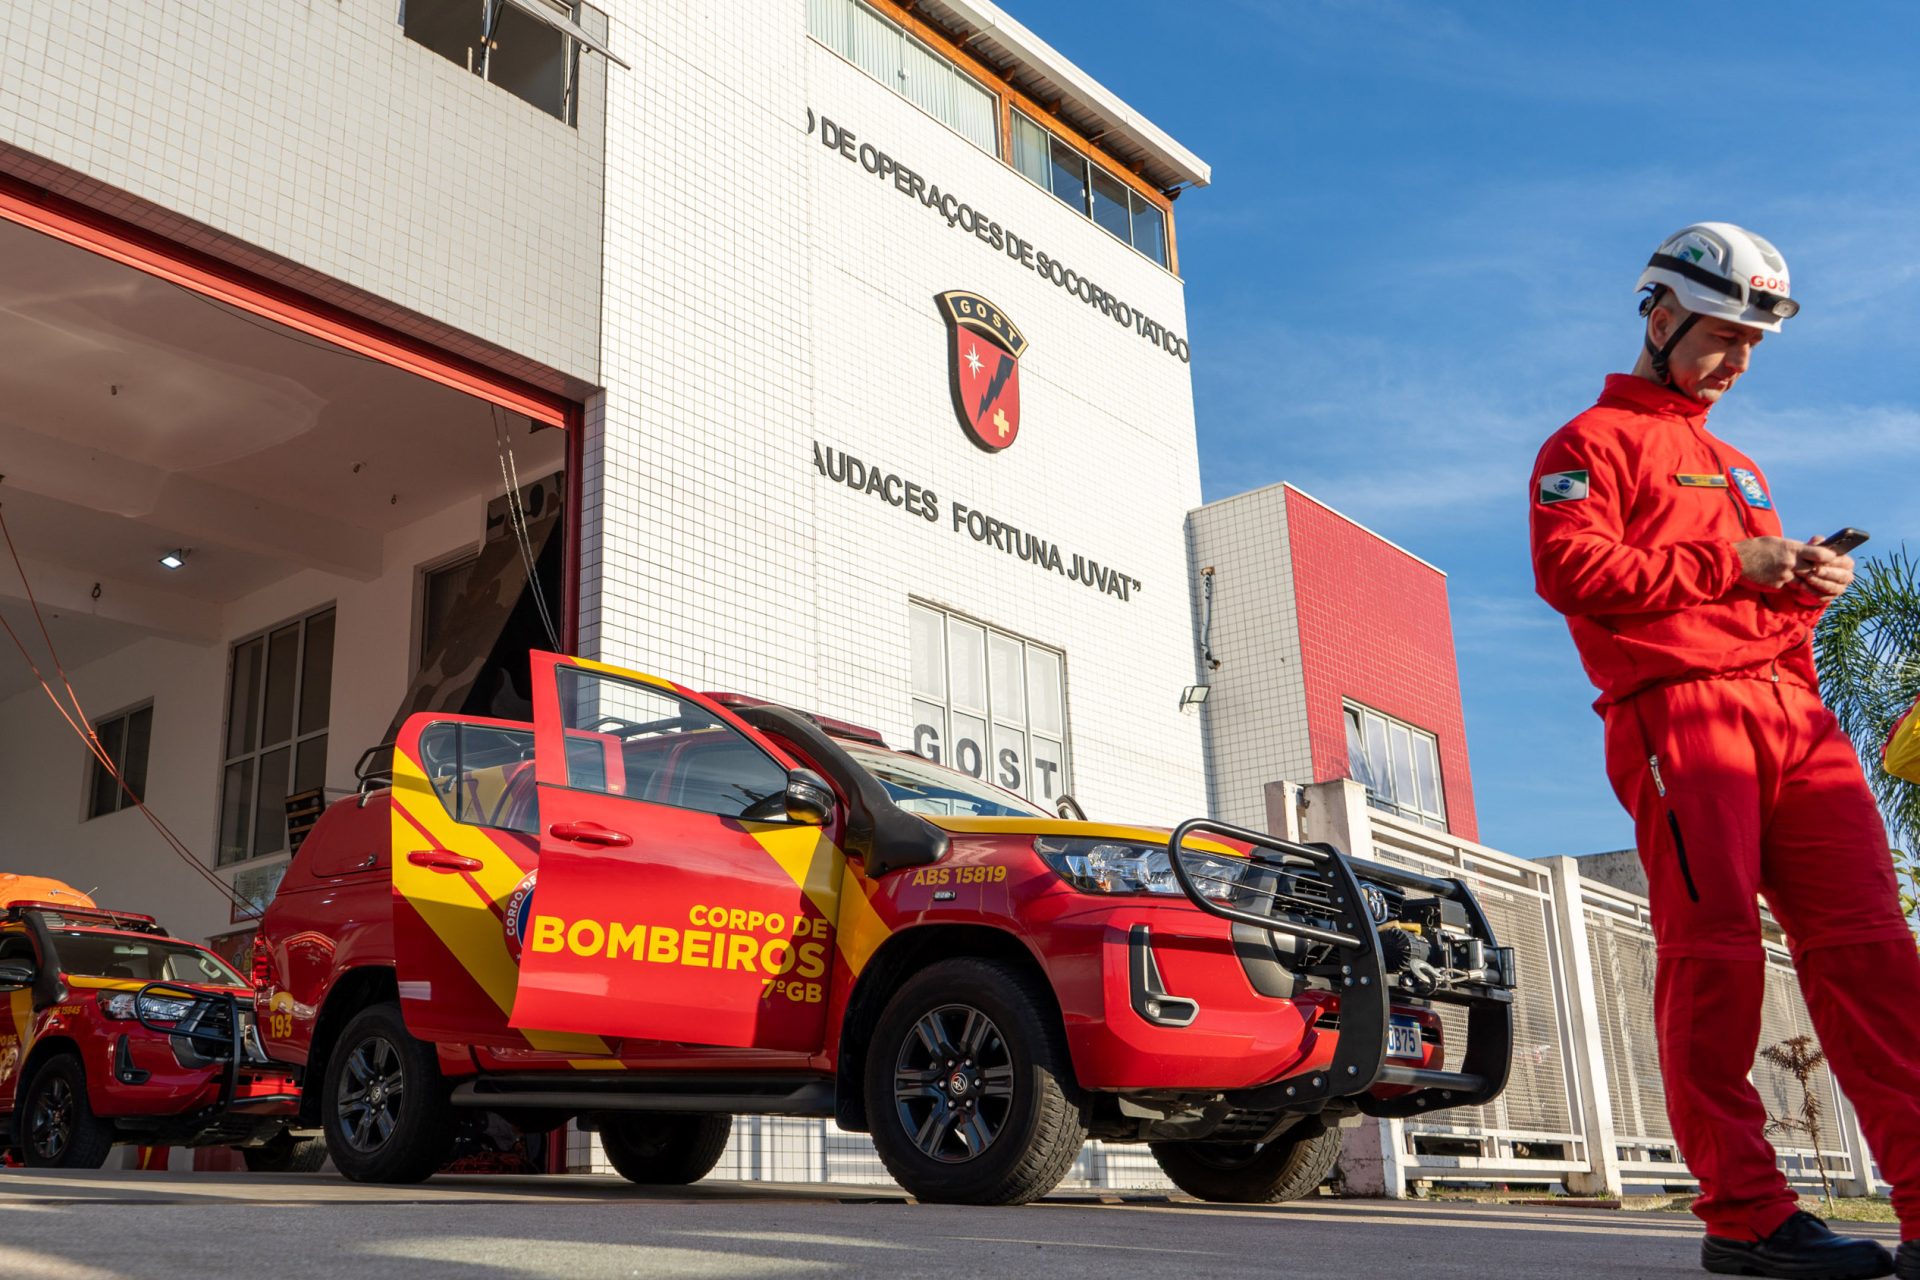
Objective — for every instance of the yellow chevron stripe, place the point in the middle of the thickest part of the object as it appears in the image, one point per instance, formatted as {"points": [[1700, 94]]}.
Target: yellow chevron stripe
{"points": [[588, 664], [470, 932], [819, 869]]}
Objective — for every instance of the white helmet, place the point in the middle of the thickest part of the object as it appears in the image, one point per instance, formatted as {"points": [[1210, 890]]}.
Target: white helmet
{"points": [[1720, 270]]}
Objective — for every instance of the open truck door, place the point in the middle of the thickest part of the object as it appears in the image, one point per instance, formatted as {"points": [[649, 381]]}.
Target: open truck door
{"points": [[688, 882], [464, 813]]}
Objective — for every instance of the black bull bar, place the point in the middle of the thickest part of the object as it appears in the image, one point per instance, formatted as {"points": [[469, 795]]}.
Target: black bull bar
{"points": [[1356, 970]]}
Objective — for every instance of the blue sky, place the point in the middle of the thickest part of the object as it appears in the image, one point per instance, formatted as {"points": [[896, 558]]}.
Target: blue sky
{"points": [[1418, 258]]}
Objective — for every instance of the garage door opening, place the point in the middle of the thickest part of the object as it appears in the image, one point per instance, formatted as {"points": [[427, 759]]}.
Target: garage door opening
{"points": [[255, 550]]}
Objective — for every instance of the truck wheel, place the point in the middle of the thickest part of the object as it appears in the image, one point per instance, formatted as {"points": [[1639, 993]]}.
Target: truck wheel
{"points": [[1289, 1167], [58, 1126], [383, 1104], [664, 1149], [286, 1154], [968, 1086]]}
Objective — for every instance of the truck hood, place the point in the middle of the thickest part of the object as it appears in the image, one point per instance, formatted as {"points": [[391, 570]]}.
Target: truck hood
{"points": [[1068, 829]]}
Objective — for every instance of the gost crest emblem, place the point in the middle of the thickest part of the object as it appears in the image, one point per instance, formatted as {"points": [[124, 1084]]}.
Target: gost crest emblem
{"points": [[984, 368]]}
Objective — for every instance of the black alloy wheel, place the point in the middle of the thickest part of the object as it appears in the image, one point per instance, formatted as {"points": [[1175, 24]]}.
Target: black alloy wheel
{"points": [[369, 1101], [969, 1089], [60, 1129], [384, 1104], [953, 1083]]}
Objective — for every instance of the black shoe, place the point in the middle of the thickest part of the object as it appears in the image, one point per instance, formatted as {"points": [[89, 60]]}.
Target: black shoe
{"points": [[1906, 1263], [1802, 1248]]}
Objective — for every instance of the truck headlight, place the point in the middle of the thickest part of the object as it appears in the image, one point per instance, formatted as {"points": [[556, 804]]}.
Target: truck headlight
{"points": [[119, 1005], [1109, 866]]}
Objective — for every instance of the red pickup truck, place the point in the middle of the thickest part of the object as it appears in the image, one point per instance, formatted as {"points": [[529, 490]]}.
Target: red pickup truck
{"points": [[651, 910], [113, 1032]]}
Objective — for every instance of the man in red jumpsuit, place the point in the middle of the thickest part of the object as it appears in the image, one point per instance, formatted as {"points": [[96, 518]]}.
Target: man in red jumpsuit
{"points": [[1693, 616]]}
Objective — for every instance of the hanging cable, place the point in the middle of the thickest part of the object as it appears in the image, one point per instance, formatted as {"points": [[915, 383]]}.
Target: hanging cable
{"points": [[82, 726], [517, 520]]}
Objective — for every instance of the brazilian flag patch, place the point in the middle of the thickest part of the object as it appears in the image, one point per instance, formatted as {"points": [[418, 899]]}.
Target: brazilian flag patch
{"points": [[1562, 486]]}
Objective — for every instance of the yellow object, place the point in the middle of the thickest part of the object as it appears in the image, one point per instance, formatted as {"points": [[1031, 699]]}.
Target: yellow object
{"points": [[16, 889], [1902, 758]]}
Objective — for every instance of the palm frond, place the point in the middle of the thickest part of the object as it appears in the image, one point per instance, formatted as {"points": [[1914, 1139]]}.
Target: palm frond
{"points": [[1867, 647]]}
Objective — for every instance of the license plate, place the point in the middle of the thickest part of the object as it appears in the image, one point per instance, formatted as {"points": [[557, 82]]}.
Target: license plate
{"points": [[1403, 1038]]}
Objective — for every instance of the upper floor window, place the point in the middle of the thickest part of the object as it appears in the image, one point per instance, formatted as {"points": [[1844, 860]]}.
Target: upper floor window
{"points": [[1398, 764], [1088, 189], [884, 51], [530, 48], [125, 739]]}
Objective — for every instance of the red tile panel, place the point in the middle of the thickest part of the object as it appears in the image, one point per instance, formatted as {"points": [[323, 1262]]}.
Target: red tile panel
{"points": [[1375, 628]]}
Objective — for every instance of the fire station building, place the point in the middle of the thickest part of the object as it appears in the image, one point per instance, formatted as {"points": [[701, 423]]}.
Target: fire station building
{"points": [[829, 351]]}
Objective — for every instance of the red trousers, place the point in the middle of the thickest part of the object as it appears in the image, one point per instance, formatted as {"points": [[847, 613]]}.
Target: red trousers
{"points": [[1740, 787]]}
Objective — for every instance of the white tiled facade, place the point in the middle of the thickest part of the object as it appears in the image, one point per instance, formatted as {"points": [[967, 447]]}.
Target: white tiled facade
{"points": [[1257, 713], [723, 291], [764, 293], [319, 135]]}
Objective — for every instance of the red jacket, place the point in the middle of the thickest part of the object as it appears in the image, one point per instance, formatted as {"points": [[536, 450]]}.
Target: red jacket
{"points": [[1636, 509]]}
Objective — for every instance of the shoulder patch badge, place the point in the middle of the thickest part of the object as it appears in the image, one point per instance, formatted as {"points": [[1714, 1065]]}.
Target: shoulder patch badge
{"points": [[1562, 486], [1751, 489], [1700, 481]]}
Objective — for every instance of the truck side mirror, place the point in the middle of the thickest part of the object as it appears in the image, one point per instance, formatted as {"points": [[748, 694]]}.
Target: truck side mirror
{"points": [[16, 973], [809, 798]]}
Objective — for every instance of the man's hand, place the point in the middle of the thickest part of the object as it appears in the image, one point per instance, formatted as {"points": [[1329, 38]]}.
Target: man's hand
{"points": [[1772, 562], [1821, 573]]}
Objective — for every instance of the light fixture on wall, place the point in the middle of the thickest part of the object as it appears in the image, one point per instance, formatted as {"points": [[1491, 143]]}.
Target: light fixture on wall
{"points": [[174, 559], [1194, 694]]}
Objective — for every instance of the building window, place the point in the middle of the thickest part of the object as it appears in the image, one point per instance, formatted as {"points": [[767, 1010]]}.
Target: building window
{"points": [[1088, 189], [126, 739], [505, 42], [989, 704], [884, 51], [1398, 764], [439, 589], [278, 694]]}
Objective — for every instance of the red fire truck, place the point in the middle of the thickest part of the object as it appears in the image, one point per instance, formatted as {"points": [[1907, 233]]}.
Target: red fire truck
{"points": [[651, 910]]}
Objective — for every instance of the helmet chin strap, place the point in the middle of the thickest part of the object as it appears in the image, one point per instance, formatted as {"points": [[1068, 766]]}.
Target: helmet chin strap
{"points": [[1660, 354]]}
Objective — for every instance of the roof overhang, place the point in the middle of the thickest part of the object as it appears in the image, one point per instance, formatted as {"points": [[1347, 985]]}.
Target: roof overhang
{"points": [[1043, 73]]}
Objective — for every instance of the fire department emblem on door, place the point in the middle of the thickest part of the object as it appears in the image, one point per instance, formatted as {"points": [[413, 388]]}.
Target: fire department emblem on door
{"points": [[983, 368]]}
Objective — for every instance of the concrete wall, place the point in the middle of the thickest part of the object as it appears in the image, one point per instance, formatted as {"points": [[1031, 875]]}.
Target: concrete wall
{"points": [[316, 131], [764, 294], [43, 768]]}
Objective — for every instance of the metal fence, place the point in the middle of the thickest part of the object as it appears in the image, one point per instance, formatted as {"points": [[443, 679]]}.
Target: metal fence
{"points": [[1584, 1106]]}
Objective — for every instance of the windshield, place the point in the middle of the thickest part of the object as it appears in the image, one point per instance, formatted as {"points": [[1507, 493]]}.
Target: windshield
{"points": [[921, 786], [107, 955]]}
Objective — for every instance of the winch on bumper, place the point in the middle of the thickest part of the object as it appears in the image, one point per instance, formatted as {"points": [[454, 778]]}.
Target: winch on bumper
{"points": [[1368, 934]]}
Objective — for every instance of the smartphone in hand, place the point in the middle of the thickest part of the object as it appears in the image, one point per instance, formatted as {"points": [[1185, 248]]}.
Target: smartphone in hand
{"points": [[1844, 541]]}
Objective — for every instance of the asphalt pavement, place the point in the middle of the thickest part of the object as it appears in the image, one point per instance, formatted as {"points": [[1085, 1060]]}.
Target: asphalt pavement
{"points": [[158, 1226]]}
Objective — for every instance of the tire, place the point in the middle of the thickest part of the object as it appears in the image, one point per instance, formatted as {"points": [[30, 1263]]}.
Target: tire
{"points": [[286, 1154], [1288, 1168], [383, 1104], [58, 1129], [664, 1149], [1002, 1124]]}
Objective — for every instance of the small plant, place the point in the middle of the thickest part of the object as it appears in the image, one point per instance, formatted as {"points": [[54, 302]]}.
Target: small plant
{"points": [[1800, 1058], [1907, 867]]}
